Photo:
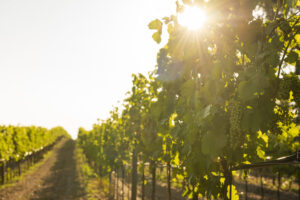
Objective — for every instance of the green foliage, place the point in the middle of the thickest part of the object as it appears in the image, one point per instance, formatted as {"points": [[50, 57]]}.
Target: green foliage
{"points": [[156, 25], [219, 97], [16, 142]]}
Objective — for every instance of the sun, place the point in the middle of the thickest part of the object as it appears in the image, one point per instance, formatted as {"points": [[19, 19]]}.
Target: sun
{"points": [[193, 18]]}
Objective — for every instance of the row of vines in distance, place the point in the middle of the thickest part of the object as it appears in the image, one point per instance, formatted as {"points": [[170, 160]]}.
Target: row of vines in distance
{"points": [[21, 147], [219, 97], [16, 142]]}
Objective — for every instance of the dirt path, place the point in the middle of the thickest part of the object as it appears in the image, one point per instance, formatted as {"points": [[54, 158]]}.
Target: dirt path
{"points": [[55, 179]]}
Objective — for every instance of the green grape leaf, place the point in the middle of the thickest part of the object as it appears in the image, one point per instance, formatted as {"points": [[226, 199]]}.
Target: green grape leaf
{"points": [[263, 136], [213, 143], [155, 25], [292, 58], [292, 3], [270, 27], [260, 153], [176, 159], [234, 193], [157, 37], [246, 90], [294, 130]]}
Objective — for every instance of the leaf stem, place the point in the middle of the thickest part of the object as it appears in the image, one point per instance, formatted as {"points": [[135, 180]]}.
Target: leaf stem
{"points": [[283, 57]]}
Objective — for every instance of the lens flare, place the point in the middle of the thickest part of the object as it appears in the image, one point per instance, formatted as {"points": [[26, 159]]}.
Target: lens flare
{"points": [[193, 18]]}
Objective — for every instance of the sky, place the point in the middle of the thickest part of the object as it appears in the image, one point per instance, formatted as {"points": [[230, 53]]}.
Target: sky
{"points": [[68, 62]]}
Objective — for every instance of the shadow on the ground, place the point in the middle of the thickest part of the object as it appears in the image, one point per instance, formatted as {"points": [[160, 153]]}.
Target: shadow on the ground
{"points": [[254, 192], [62, 182], [161, 192]]}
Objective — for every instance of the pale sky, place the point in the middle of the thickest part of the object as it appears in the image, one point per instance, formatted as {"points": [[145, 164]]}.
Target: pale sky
{"points": [[67, 62]]}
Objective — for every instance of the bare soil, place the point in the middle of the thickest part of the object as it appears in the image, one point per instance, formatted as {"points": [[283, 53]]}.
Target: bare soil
{"points": [[255, 192], [54, 179], [124, 193], [57, 179]]}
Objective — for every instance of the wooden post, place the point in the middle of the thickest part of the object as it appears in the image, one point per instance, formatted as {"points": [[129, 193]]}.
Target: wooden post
{"points": [[143, 182], [261, 187], [129, 182], [27, 162], [230, 182], [246, 188], [123, 179], [117, 184], [110, 193], [114, 184], [169, 179], [279, 183], [2, 172], [10, 171], [298, 184], [153, 172], [19, 167], [227, 176], [134, 175], [195, 195]]}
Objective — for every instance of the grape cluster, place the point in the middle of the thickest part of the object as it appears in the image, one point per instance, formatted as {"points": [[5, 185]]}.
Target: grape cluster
{"points": [[235, 122]]}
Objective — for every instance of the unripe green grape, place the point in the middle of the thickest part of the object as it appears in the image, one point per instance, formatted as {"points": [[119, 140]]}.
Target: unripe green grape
{"points": [[235, 122]]}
